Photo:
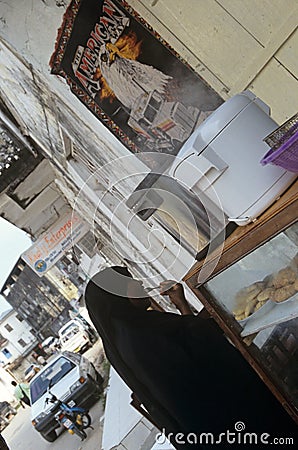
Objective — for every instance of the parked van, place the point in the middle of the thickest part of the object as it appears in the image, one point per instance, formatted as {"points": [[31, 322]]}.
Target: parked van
{"points": [[74, 337]]}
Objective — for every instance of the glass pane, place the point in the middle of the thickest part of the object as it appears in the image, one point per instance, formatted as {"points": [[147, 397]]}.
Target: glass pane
{"points": [[261, 291], [266, 278], [279, 355]]}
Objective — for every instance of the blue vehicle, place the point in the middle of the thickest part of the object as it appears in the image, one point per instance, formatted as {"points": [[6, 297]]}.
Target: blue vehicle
{"points": [[74, 418]]}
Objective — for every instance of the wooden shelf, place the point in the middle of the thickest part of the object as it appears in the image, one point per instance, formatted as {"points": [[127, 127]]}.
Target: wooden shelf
{"points": [[245, 239]]}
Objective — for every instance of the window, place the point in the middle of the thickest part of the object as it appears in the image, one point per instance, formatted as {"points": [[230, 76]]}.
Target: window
{"points": [[8, 327], [78, 155], [67, 143], [89, 244], [84, 162], [52, 375], [264, 280], [155, 103], [6, 353], [71, 151], [22, 342], [150, 113]]}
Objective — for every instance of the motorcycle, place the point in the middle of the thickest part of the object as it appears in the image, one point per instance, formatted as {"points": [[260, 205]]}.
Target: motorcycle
{"points": [[74, 418]]}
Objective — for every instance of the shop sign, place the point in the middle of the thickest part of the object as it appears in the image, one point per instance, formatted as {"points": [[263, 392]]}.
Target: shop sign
{"points": [[53, 244]]}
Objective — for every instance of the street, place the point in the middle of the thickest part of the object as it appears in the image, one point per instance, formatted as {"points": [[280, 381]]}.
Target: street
{"points": [[20, 434]]}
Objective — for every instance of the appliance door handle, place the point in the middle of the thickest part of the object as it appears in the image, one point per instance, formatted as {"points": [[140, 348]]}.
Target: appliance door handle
{"points": [[216, 161], [212, 167], [200, 170]]}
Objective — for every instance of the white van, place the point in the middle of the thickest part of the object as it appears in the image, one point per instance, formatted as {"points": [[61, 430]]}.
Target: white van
{"points": [[74, 337]]}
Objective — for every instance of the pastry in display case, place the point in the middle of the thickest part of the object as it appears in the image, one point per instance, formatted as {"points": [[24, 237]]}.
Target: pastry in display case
{"points": [[261, 289], [277, 287]]}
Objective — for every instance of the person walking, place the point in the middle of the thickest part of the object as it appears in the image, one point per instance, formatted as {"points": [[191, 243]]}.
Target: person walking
{"points": [[181, 368], [22, 393]]}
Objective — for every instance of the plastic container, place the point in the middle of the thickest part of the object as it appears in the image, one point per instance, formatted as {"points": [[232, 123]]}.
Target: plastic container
{"points": [[283, 133], [285, 156]]}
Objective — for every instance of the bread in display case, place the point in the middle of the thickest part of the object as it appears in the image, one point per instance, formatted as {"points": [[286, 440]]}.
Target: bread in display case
{"points": [[277, 287]]}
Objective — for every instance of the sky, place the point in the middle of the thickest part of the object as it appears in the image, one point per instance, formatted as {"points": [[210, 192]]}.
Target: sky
{"points": [[13, 243]]}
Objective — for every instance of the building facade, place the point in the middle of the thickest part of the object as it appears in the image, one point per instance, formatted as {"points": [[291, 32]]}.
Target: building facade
{"points": [[36, 300], [17, 337]]}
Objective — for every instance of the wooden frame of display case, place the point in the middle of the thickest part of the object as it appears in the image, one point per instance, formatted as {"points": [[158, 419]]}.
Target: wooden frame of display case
{"points": [[281, 215]]}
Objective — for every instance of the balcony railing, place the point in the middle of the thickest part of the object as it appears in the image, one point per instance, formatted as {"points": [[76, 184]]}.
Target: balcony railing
{"points": [[9, 150]]}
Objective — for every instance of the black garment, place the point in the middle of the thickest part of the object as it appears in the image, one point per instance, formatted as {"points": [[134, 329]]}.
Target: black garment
{"points": [[26, 400], [25, 397], [3, 445], [182, 368]]}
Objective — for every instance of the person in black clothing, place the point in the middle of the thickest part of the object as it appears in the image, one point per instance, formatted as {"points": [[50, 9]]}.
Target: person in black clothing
{"points": [[184, 371], [3, 445]]}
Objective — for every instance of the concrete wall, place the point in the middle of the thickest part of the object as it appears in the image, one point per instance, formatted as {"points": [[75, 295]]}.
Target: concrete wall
{"points": [[108, 154], [124, 427], [235, 45], [34, 203]]}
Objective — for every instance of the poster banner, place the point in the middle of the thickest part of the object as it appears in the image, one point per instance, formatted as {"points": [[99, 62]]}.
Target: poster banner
{"points": [[129, 77], [53, 244]]}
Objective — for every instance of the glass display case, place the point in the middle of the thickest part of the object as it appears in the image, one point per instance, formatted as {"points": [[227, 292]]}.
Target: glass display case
{"points": [[251, 290], [261, 293]]}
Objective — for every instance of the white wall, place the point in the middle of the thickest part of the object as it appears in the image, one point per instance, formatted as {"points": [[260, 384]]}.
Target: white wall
{"points": [[235, 45], [124, 427], [6, 389]]}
